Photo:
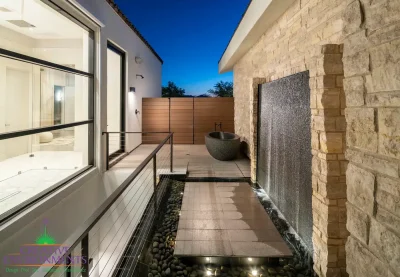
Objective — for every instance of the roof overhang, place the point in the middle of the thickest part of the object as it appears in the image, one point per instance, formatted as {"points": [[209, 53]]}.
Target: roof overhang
{"points": [[259, 16]]}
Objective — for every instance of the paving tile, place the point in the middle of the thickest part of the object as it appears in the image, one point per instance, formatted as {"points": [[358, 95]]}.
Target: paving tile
{"points": [[203, 248], [235, 189], [260, 249], [226, 219], [227, 184], [236, 194], [202, 215], [269, 235], [205, 224], [235, 224], [210, 235], [203, 207], [249, 214], [241, 207], [184, 234]]}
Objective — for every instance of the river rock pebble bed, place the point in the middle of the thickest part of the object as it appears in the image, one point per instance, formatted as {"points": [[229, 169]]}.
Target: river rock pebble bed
{"points": [[161, 261]]}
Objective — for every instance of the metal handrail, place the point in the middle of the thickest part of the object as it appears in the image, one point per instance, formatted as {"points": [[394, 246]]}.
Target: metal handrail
{"points": [[21, 133], [82, 233], [143, 133]]}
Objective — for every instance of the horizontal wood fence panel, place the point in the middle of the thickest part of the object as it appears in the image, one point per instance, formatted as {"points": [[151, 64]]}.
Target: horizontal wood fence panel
{"points": [[155, 118], [189, 118], [181, 120], [207, 112]]}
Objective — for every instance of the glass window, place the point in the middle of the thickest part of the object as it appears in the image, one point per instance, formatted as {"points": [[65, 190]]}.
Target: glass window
{"points": [[46, 117], [34, 164], [32, 28]]}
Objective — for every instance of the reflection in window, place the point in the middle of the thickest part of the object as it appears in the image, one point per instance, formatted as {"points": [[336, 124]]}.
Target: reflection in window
{"points": [[33, 96], [25, 29]]}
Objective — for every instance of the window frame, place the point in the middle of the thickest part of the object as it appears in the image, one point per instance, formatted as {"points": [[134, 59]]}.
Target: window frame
{"points": [[114, 48], [90, 122]]}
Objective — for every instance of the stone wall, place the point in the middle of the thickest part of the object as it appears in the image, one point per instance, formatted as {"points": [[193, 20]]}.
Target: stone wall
{"points": [[357, 114], [306, 37], [328, 134], [372, 89], [286, 48]]}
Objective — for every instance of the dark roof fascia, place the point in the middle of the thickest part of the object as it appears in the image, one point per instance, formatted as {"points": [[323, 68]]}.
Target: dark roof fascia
{"points": [[127, 21]]}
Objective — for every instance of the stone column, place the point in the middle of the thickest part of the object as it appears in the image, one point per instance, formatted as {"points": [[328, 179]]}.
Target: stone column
{"points": [[328, 128]]}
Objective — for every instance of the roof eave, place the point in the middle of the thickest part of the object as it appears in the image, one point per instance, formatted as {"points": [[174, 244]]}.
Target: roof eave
{"points": [[259, 16], [134, 29]]}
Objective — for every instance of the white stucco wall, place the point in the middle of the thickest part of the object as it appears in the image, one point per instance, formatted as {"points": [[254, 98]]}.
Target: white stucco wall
{"points": [[69, 207], [116, 31]]}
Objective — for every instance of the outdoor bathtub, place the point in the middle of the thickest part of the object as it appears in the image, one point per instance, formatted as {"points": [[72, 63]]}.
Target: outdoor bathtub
{"points": [[223, 146]]}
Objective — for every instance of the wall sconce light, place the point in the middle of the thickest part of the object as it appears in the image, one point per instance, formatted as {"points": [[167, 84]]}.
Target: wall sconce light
{"points": [[138, 60], [132, 89], [138, 75]]}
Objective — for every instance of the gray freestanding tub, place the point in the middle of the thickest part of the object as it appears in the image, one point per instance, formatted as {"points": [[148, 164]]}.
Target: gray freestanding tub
{"points": [[223, 146]]}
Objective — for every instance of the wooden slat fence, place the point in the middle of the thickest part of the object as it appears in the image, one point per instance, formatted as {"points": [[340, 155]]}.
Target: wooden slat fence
{"points": [[189, 118]]}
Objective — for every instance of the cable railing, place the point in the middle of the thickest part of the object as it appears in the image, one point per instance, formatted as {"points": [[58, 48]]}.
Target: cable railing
{"points": [[110, 241], [121, 144]]}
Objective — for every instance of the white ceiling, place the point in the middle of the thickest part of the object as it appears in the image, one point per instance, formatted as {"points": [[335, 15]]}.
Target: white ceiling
{"points": [[49, 24]]}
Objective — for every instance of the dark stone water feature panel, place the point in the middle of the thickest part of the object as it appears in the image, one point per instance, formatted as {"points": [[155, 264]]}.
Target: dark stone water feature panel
{"points": [[284, 150]]}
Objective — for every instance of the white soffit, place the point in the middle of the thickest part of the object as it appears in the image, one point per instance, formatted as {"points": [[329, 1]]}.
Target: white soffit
{"points": [[85, 11], [260, 15]]}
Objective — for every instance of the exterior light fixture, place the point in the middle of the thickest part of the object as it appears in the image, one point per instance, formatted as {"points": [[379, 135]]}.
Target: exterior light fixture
{"points": [[250, 259], [138, 60], [254, 272], [132, 89], [138, 75], [208, 259], [209, 273]]}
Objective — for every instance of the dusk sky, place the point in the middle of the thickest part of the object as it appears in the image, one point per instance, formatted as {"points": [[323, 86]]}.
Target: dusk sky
{"points": [[189, 35]]}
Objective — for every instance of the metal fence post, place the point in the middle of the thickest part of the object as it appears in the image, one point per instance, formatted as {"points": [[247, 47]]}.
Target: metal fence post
{"points": [[172, 152], [85, 254], [68, 269], [107, 150], [155, 182]]}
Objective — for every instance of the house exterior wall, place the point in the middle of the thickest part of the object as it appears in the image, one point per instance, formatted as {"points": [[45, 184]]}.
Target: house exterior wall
{"points": [[371, 69], [351, 50], [283, 50], [69, 207], [306, 37]]}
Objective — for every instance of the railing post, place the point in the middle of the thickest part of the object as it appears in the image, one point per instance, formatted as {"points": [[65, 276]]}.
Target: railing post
{"points": [[155, 182], [107, 150], [68, 266], [172, 152], [85, 254]]}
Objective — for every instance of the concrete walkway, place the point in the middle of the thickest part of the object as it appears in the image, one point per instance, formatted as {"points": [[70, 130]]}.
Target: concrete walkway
{"points": [[194, 159], [226, 219]]}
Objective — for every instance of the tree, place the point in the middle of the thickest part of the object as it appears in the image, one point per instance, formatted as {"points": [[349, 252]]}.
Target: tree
{"points": [[222, 89], [172, 90]]}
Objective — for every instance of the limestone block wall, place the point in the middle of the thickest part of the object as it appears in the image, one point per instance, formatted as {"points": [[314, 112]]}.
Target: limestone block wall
{"points": [[372, 89], [306, 37], [285, 49]]}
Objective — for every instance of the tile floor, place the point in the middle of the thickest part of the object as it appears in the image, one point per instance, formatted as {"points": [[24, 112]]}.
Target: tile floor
{"points": [[226, 219], [194, 159], [25, 176]]}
